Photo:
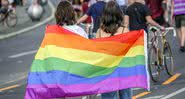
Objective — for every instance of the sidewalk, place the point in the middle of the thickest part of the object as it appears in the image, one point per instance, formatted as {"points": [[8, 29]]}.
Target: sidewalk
{"points": [[23, 20]]}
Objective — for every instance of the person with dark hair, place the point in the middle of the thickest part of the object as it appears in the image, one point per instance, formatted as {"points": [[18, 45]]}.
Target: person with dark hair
{"points": [[65, 17], [112, 24], [138, 15], [111, 20]]}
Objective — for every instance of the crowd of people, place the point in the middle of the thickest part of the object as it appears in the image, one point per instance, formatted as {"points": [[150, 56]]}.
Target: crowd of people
{"points": [[139, 13], [119, 16]]}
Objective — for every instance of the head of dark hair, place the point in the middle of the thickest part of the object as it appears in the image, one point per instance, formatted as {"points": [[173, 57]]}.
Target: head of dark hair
{"points": [[65, 14], [112, 18], [86, 1], [77, 2]]}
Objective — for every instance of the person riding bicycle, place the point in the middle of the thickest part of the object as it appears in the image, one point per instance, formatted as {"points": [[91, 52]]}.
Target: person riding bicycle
{"points": [[4, 6]]}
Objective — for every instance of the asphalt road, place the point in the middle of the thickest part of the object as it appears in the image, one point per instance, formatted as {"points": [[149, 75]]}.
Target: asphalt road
{"points": [[17, 53]]}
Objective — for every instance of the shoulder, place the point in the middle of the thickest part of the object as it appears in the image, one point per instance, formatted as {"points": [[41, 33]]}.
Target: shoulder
{"points": [[98, 33], [120, 30], [93, 5], [76, 29]]}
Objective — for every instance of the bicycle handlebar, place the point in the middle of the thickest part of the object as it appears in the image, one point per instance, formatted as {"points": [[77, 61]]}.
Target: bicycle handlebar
{"points": [[154, 29], [173, 29]]}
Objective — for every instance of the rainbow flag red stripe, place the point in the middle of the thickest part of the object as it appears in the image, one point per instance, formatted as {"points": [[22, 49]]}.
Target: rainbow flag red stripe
{"points": [[68, 65]]}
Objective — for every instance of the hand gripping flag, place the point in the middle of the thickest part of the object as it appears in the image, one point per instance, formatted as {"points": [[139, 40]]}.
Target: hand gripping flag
{"points": [[68, 65]]}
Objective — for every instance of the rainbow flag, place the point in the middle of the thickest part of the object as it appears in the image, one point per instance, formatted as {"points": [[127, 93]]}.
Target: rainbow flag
{"points": [[68, 65]]}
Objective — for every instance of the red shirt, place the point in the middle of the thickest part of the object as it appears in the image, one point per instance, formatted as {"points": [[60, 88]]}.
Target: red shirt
{"points": [[84, 9], [155, 7]]}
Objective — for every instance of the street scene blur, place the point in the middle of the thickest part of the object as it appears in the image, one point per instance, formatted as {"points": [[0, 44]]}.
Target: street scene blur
{"points": [[23, 26]]}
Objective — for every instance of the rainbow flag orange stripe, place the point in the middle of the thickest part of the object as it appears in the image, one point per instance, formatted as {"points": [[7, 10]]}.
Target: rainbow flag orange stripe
{"points": [[68, 65]]}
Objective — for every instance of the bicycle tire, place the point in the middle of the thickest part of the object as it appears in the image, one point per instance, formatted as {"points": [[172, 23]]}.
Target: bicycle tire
{"points": [[11, 20], [153, 64], [168, 59]]}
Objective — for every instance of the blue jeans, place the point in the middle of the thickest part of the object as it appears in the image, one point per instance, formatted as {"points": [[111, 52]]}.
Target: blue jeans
{"points": [[123, 94]]}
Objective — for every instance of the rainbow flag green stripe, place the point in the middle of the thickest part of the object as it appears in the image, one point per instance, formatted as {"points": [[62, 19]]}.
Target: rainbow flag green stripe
{"points": [[60, 64], [66, 64]]}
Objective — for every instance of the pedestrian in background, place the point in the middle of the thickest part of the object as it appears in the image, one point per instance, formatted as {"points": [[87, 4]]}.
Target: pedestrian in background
{"points": [[138, 15], [178, 9], [112, 24], [65, 17], [95, 11], [4, 6], [157, 11]]}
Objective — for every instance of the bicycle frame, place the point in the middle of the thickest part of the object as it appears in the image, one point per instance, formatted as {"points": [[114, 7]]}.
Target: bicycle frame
{"points": [[155, 41], [160, 55]]}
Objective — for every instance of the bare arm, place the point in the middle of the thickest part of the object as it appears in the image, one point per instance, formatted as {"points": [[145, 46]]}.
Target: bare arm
{"points": [[152, 22], [126, 21], [82, 19], [98, 33]]}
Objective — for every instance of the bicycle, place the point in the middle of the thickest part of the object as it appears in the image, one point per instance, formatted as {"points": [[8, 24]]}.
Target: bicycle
{"points": [[160, 56], [9, 17]]}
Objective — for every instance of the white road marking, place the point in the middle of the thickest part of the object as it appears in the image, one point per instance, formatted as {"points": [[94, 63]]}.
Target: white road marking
{"points": [[155, 97], [22, 54], [32, 27], [18, 79], [92, 97], [136, 89], [20, 61], [174, 93]]}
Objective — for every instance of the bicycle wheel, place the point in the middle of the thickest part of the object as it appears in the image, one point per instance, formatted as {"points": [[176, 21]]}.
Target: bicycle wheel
{"points": [[153, 64], [168, 59], [11, 19]]}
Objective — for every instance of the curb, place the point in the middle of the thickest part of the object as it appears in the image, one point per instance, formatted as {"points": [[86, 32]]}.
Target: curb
{"points": [[32, 27]]}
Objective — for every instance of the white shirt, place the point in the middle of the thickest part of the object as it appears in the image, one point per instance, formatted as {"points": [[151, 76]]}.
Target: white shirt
{"points": [[121, 2], [10, 1], [76, 29]]}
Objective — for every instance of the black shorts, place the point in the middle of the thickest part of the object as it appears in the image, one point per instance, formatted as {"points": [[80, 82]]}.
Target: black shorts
{"points": [[180, 20]]}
